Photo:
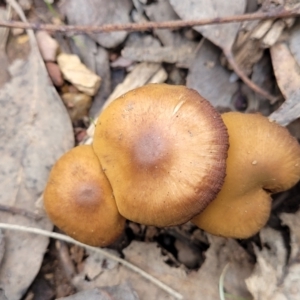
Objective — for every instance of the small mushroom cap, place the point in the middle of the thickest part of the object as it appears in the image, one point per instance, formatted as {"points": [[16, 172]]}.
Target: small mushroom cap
{"points": [[163, 149], [79, 200], [263, 158]]}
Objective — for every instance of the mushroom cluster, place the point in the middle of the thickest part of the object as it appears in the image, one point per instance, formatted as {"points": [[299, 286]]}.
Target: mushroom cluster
{"points": [[160, 157]]}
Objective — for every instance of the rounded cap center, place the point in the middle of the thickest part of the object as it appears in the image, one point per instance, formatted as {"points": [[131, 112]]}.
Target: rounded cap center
{"points": [[150, 148], [88, 194]]}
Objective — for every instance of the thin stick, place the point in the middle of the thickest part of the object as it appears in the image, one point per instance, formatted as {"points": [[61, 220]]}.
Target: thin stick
{"points": [[246, 80], [279, 12], [67, 239]]}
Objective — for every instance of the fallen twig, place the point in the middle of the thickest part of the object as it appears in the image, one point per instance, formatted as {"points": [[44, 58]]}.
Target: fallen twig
{"points": [[246, 80], [279, 12]]}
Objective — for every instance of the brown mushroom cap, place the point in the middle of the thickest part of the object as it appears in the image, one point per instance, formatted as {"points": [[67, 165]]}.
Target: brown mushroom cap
{"points": [[79, 200], [263, 158], [163, 148]]}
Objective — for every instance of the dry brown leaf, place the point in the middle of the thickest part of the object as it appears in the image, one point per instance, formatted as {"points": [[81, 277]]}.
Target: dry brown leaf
{"points": [[4, 74], [96, 58], [94, 264], [275, 278], [287, 73], [119, 292], [248, 54], [137, 39], [35, 130], [103, 70], [77, 105], [170, 54], [78, 74], [221, 35], [85, 47], [212, 81], [159, 77], [294, 42], [263, 76], [99, 12], [139, 76], [293, 222], [289, 111], [286, 69], [162, 11], [273, 35], [261, 29], [201, 284], [269, 269], [26, 4], [48, 46], [4, 16]]}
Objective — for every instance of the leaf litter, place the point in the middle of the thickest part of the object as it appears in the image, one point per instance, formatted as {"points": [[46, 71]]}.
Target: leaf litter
{"points": [[277, 273], [32, 140]]}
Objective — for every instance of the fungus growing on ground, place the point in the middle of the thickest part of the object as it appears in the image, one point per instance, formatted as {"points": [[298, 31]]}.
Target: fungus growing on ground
{"points": [[163, 149], [263, 158], [79, 200]]}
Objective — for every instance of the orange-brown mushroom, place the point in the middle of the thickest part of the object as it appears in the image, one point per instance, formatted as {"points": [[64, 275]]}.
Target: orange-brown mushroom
{"points": [[79, 200], [263, 158], [163, 149]]}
